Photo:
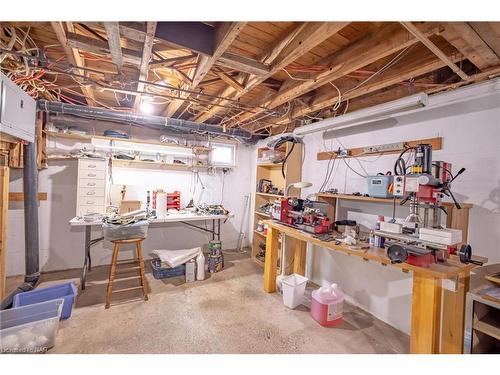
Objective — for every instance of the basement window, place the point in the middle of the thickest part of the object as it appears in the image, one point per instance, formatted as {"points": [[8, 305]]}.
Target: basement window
{"points": [[223, 155]]}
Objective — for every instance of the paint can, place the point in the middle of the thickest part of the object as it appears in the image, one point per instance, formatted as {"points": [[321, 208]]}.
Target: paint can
{"points": [[215, 262], [214, 247]]}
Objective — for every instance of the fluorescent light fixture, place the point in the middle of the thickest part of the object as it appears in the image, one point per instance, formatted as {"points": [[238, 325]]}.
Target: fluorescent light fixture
{"points": [[363, 116], [146, 148]]}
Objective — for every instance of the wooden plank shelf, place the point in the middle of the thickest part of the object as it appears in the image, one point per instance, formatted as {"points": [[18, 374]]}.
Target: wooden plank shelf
{"points": [[88, 137], [267, 195], [350, 197], [19, 197], [262, 214], [269, 165], [487, 325], [260, 233]]}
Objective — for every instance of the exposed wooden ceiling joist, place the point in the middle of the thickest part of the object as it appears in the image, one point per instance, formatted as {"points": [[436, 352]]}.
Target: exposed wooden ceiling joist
{"points": [[229, 80], [369, 49], [309, 36], [146, 57], [113, 33], [489, 33], [93, 45], [243, 64], [73, 57], [409, 68], [465, 39]]}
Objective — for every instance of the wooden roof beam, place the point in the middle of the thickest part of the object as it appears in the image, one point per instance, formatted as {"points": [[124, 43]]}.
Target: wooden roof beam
{"points": [[434, 49], [224, 35], [490, 33], [466, 40], [146, 58], [308, 36], [243, 64], [229, 80], [113, 33], [367, 50], [101, 47], [73, 57], [407, 69]]}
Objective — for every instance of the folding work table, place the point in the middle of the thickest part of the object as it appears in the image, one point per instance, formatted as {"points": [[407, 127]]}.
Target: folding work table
{"points": [[186, 219], [440, 288]]}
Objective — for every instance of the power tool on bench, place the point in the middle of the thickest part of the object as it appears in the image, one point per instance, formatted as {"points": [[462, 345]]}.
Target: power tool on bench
{"points": [[309, 216], [424, 184]]}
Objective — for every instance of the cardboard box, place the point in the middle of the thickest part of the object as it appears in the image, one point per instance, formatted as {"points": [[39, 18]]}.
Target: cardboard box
{"points": [[129, 206]]}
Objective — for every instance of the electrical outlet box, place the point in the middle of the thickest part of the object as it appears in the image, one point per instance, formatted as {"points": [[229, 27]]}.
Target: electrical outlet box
{"points": [[398, 146], [17, 111], [343, 153]]}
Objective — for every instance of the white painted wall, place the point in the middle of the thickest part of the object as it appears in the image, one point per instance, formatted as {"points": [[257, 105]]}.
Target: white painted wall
{"points": [[61, 247], [471, 136]]}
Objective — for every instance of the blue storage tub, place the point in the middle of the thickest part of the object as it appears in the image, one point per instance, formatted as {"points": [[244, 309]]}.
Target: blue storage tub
{"points": [[66, 291], [162, 273]]}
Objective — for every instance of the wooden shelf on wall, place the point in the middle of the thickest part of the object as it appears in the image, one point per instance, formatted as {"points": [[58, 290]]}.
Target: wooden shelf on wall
{"points": [[267, 195], [272, 171], [88, 137], [141, 163], [263, 214], [156, 164]]}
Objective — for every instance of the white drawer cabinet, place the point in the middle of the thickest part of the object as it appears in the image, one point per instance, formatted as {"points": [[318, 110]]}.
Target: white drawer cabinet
{"points": [[92, 186]]}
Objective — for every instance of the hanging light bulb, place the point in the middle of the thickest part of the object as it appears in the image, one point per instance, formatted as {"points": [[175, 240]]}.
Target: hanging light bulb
{"points": [[147, 106]]}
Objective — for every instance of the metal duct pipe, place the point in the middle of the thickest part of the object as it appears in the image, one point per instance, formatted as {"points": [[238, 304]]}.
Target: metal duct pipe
{"points": [[166, 123], [31, 244], [30, 187]]}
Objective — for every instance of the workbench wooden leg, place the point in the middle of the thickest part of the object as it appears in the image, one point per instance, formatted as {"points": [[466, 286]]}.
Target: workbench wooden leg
{"points": [[4, 209], [425, 315], [299, 258], [452, 338], [271, 262]]}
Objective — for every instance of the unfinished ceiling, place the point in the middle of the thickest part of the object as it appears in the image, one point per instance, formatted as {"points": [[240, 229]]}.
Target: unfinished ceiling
{"points": [[259, 76]]}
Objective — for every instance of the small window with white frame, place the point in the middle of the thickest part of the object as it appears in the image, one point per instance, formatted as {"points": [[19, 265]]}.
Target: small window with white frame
{"points": [[223, 155]]}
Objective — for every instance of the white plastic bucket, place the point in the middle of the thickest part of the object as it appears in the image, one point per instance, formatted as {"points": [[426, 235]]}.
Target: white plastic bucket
{"points": [[293, 287]]}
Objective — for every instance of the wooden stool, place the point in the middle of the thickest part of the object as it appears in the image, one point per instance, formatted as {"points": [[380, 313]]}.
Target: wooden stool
{"points": [[113, 270]]}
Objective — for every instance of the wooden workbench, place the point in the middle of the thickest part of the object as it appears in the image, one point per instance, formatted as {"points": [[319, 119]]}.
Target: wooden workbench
{"points": [[428, 333]]}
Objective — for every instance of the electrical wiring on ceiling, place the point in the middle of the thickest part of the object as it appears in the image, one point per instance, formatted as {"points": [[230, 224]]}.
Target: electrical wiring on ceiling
{"points": [[388, 65]]}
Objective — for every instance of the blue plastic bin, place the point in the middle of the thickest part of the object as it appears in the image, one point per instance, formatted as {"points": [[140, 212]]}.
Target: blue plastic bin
{"points": [[162, 273], [66, 291]]}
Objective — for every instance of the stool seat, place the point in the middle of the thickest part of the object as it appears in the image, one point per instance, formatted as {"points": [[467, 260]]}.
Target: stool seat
{"points": [[115, 262], [130, 240]]}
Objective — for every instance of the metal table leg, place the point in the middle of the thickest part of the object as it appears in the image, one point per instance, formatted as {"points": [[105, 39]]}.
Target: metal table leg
{"points": [[86, 263]]}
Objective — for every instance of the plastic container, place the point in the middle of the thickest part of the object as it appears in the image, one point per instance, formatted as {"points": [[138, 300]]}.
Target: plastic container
{"points": [[327, 305], [31, 328], [160, 272], [113, 232], [66, 291], [293, 287]]}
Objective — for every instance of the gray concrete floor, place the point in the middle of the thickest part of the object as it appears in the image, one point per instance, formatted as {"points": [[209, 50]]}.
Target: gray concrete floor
{"points": [[227, 313]]}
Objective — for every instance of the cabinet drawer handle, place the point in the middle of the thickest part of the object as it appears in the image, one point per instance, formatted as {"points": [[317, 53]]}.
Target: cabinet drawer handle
{"points": [[91, 165], [91, 174], [90, 202], [90, 192], [90, 183]]}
